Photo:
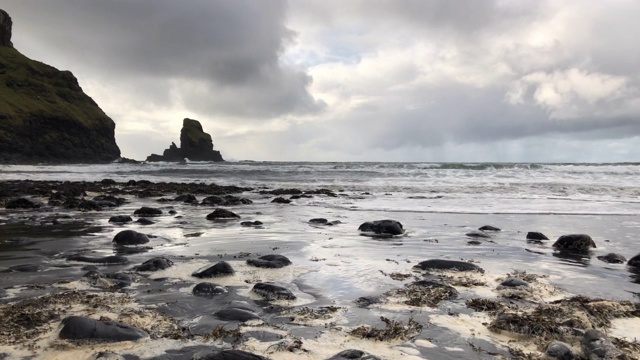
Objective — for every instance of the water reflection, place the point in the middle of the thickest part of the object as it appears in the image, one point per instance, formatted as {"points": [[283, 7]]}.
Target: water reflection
{"points": [[574, 258]]}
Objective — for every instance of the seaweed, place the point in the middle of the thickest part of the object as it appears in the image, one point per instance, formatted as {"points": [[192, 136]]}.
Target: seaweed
{"points": [[393, 330], [480, 304]]}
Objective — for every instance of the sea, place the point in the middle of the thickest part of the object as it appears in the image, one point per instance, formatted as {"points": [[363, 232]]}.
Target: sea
{"points": [[438, 204]]}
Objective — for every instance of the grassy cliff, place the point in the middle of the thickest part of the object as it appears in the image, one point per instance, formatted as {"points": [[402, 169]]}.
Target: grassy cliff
{"points": [[46, 117]]}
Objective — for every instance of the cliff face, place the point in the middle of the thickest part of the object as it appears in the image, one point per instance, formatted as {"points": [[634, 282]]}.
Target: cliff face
{"points": [[44, 114], [195, 145]]}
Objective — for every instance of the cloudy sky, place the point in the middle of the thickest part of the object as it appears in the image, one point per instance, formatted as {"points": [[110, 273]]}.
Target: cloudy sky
{"points": [[357, 80]]}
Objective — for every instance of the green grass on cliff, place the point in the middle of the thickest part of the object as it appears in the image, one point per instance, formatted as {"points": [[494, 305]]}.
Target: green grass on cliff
{"points": [[45, 115], [30, 88]]}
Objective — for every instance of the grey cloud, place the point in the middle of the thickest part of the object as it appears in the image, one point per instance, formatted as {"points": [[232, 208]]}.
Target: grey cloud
{"points": [[228, 45]]}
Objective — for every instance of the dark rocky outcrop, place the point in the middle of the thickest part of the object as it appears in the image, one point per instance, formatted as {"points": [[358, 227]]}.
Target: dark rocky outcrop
{"points": [[222, 268], [252, 223], [22, 203], [222, 214], [5, 29], [83, 328], [534, 235], [478, 234], [208, 289], [130, 237], [596, 345], [489, 228], [233, 355], [382, 227], [634, 261], [148, 211], [195, 145], [226, 200], [575, 243], [120, 219], [271, 291], [612, 258], [44, 114], [353, 354], [155, 264], [273, 261], [440, 264], [513, 282], [560, 351]]}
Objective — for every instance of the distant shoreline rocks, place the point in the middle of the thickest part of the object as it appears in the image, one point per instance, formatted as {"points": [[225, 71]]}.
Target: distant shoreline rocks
{"points": [[195, 145]]}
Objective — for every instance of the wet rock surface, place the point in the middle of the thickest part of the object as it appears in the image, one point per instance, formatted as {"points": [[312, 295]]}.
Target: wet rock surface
{"points": [[271, 291], [575, 242], [382, 227], [222, 214], [273, 261], [130, 237], [222, 268], [83, 328], [208, 289], [236, 314], [155, 264], [439, 264]]}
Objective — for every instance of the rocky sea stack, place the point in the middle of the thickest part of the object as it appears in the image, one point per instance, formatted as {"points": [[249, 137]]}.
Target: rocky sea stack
{"points": [[44, 114], [195, 145]]}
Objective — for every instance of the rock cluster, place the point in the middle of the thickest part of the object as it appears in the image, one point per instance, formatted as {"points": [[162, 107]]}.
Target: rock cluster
{"points": [[195, 145]]}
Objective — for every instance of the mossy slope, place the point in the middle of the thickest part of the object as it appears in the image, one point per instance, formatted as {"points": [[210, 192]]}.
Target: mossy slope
{"points": [[46, 117]]}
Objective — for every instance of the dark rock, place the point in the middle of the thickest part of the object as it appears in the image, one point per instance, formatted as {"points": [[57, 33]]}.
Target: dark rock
{"points": [[130, 237], [281, 200], [227, 200], [3, 293], [155, 264], [440, 264], [83, 328], [208, 289], [321, 221], [108, 182], [5, 29], [222, 268], [251, 223], [560, 351], [195, 145], [144, 221], [109, 200], [120, 219], [534, 235], [233, 355], [612, 258], [326, 192], [187, 198], [478, 234], [107, 260], [82, 204], [489, 228], [147, 211], [596, 345], [271, 291], [279, 192], [634, 261], [353, 354], [236, 314], [273, 261], [108, 355], [382, 227], [222, 214], [22, 203], [514, 282], [366, 301], [574, 242], [26, 268], [474, 242]]}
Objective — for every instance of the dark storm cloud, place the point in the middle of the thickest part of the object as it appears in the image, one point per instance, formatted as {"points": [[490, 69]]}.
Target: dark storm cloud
{"points": [[227, 46]]}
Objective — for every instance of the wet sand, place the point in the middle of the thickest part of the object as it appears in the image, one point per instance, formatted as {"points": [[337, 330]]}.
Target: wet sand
{"points": [[332, 267]]}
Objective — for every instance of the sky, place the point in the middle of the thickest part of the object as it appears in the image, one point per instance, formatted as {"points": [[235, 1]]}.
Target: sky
{"points": [[357, 80]]}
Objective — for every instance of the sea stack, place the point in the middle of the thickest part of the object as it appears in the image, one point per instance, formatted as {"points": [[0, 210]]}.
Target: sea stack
{"points": [[195, 145], [44, 114]]}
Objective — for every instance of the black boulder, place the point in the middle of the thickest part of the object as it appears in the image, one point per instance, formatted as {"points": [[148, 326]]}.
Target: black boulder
{"points": [[83, 328]]}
